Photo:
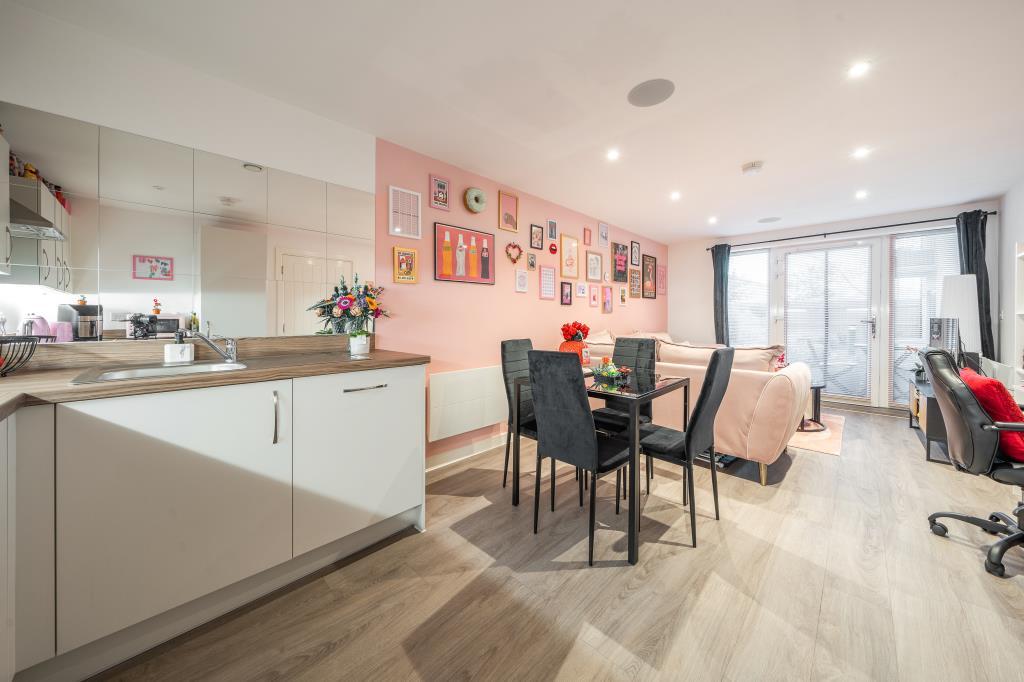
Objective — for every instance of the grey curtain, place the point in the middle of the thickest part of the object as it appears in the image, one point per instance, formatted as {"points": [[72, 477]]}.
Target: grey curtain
{"points": [[970, 235], [720, 260]]}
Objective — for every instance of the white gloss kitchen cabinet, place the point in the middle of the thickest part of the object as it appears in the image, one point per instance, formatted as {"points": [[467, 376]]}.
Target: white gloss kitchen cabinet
{"points": [[6, 560], [163, 498], [358, 451]]}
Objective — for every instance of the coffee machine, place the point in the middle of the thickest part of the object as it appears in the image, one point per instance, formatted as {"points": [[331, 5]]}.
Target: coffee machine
{"points": [[86, 321]]}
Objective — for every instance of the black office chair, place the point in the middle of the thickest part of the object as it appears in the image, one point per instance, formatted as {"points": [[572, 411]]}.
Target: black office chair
{"points": [[613, 418], [565, 427], [973, 441], [514, 364], [679, 447]]}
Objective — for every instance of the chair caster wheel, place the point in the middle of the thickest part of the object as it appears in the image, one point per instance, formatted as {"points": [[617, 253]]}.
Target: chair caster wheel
{"points": [[994, 519], [995, 569], [939, 529]]}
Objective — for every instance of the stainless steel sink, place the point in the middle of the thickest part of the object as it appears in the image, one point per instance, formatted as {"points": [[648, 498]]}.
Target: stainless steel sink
{"points": [[93, 376]]}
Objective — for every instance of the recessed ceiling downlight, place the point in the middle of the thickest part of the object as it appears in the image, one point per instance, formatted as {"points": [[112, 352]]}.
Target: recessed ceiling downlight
{"points": [[770, 219], [253, 167], [649, 93], [675, 196], [612, 154], [713, 220]]}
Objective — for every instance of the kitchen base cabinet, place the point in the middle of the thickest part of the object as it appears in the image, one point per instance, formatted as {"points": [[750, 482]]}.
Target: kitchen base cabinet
{"points": [[6, 561], [358, 451], [164, 498]]}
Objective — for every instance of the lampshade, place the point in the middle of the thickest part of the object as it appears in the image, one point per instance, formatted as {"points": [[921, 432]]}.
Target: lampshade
{"points": [[960, 301]]}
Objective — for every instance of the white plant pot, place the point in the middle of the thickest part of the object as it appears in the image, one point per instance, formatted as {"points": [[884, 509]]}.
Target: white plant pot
{"points": [[359, 345]]}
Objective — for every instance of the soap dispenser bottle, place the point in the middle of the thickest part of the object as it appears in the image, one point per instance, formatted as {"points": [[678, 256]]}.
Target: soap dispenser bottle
{"points": [[179, 351]]}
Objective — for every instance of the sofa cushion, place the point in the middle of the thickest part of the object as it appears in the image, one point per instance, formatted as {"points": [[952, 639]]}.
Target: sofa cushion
{"points": [[759, 358], [660, 336], [997, 402], [685, 354]]}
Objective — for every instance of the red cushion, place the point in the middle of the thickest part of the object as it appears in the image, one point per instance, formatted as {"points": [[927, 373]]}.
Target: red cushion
{"points": [[996, 400]]}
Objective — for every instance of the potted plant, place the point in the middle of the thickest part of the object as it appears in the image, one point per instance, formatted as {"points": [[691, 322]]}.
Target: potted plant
{"points": [[575, 334], [351, 310], [156, 306]]}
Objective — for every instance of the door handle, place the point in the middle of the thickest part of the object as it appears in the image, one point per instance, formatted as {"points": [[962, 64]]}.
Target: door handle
{"points": [[873, 322], [277, 417], [364, 388]]}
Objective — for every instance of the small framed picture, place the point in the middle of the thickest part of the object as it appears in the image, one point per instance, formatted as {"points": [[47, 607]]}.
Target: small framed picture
{"points": [[566, 298], [569, 260], [159, 268], [552, 230], [439, 191], [531, 262], [586, 236], [602, 235], [623, 295], [620, 262], [406, 265], [404, 213], [522, 281], [606, 299], [581, 290], [595, 295], [634, 254], [649, 276], [634, 283], [662, 280], [508, 211], [547, 283], [537, 237], [594, 266]]}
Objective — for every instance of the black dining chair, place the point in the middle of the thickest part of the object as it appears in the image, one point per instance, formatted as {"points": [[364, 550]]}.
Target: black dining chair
{"points": [[639, 355], [515, 364], [681, 447], [565, 427], [972, 437]]}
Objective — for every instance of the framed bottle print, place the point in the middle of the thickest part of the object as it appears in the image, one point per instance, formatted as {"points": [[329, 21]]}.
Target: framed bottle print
{"points": [[569, 258], [649, 275]]}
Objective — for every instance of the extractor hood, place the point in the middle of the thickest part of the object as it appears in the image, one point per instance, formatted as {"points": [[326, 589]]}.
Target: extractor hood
{"points": [[28, 224]]}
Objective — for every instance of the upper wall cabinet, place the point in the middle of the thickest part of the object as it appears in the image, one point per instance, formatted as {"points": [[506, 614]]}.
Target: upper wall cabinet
{"points": [[230, 188], [349, 212], [297, 201], [62, 149], [145, 171]]}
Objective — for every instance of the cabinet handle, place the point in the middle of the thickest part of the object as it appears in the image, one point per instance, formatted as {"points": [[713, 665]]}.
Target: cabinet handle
{"points": [[364, 388], [277, 417]]}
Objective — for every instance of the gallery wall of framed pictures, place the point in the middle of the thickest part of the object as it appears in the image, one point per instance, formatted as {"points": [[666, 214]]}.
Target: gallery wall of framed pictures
{"points": [[566, 262]]}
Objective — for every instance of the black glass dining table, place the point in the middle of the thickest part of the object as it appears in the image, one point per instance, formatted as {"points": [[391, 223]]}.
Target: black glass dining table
{"points": [[639, 389]]}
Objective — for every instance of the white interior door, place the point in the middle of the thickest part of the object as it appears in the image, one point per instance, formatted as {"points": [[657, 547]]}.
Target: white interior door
{"points": [[831, 317], [301, 285]]}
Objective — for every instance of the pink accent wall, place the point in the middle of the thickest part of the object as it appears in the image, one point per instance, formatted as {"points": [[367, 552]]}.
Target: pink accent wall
{"points": [[461, 325]]}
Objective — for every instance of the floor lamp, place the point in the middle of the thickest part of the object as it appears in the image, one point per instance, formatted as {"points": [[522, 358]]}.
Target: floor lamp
{"points": [[960, 302]]}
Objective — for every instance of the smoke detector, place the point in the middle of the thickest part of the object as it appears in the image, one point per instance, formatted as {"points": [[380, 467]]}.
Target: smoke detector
{"points": [[752, 167]]}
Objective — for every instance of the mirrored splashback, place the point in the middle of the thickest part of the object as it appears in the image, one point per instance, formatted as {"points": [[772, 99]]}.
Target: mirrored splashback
{"points": [[136, 225]]}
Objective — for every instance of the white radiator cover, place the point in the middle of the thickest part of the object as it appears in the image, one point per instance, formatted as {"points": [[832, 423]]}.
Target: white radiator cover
{"points": [[464, 400]]}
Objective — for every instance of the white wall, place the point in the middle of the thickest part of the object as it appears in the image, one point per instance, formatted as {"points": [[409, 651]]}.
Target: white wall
{"points": [[1012, 220], [691, 287], [57, 67]]}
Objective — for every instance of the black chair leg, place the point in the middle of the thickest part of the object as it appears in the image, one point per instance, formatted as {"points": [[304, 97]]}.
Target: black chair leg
{"points": [[536, 497], [650, 472], [693, 503], [994, 560], [593, 516], [577, 473], [552, 484], [508, 445], [582, 477], [585, 483], [714, 479], [686, 497], [618, 487]]}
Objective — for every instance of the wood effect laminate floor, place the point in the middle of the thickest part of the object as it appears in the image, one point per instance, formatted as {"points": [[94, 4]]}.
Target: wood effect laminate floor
{"points": [[830, 572]]}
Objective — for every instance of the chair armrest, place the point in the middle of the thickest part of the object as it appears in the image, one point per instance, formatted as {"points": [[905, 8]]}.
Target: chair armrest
{"points": [[1017, 427]]}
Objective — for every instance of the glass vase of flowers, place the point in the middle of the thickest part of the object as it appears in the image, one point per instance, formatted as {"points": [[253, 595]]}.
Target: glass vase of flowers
{"points": [[575, 334], [351, 310]]}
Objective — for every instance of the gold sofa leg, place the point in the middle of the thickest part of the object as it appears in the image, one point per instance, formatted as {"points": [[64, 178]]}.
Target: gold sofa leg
{"points": [[763, 470]]}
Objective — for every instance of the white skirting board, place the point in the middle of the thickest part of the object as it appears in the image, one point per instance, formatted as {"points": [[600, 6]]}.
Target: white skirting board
{"points": [[465, 400], [97, 656], [477, 447]]}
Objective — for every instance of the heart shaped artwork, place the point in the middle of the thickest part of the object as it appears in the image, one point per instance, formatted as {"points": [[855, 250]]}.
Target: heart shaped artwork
{"points": [[514, 252]]}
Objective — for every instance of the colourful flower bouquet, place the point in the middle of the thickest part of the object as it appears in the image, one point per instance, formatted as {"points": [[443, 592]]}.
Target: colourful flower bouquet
{"points": [[608, 373], [576, 331], [349, 309], [574, 334]]}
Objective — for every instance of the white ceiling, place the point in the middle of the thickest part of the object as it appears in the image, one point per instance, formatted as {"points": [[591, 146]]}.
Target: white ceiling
{"points": [[532, 93]]}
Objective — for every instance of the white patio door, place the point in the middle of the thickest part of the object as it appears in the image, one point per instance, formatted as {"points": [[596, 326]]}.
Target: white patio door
{"points": [[830, 317]]}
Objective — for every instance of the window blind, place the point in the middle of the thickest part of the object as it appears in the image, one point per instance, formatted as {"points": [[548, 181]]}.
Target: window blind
{"points": [[917, 263], [749, 298]]}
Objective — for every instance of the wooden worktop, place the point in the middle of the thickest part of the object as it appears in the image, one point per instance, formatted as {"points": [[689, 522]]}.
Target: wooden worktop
{"points": [[50, 386]]}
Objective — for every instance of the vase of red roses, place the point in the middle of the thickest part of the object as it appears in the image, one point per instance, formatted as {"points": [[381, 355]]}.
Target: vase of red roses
{"points": [[575, 334]]}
